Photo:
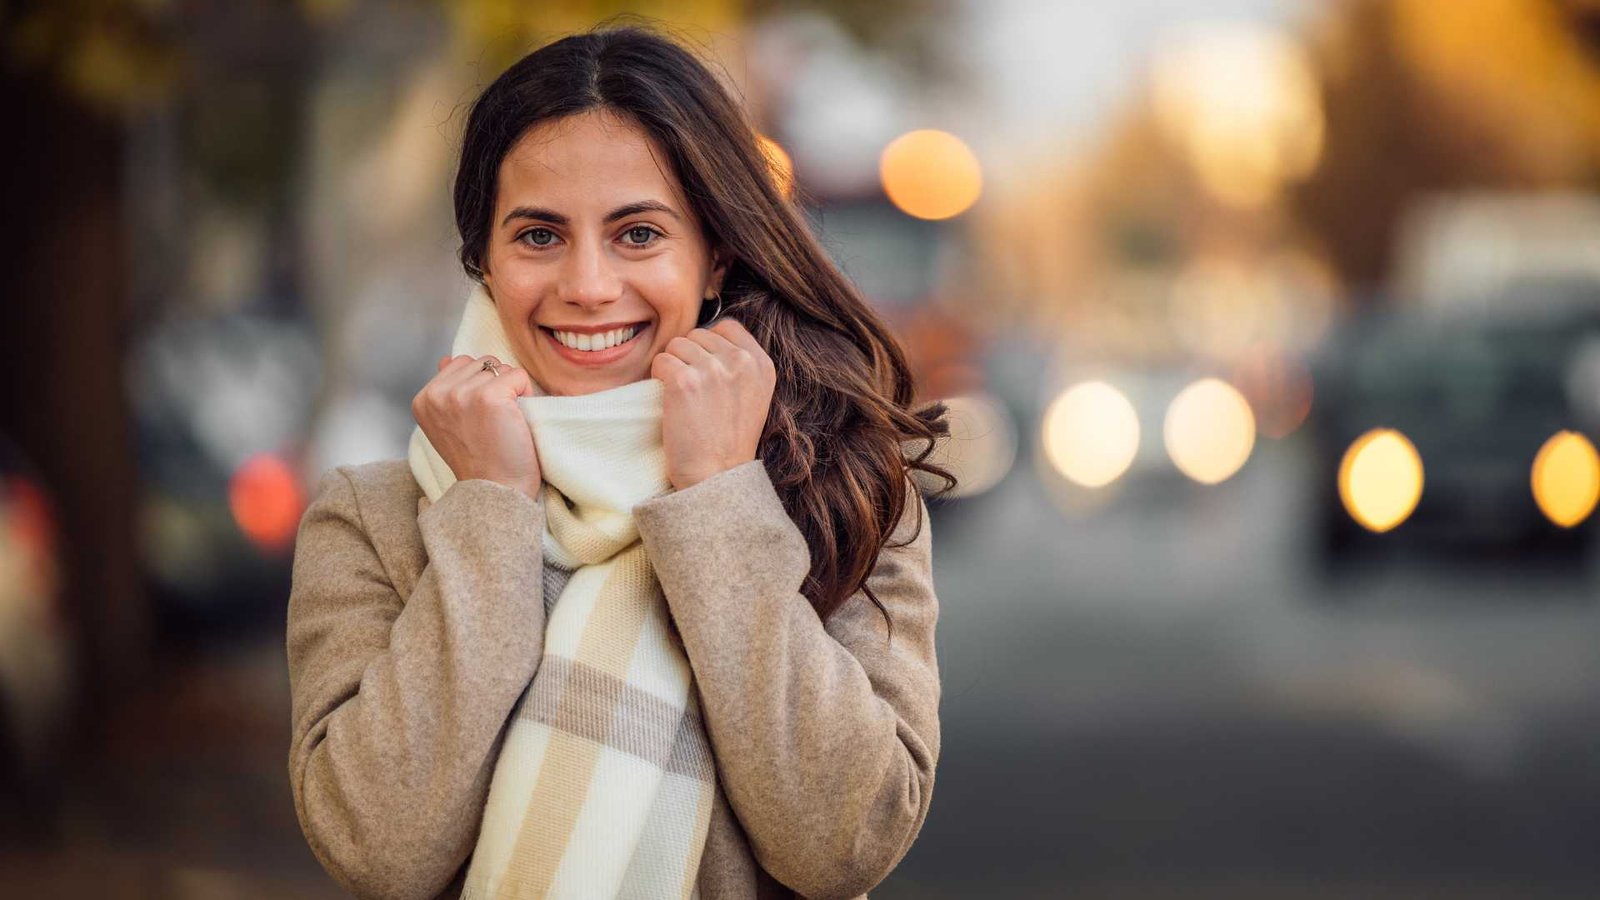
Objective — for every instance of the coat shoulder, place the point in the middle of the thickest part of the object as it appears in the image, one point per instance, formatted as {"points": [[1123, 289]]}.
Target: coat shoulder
{"points": [[383, 478], [385, 494]]}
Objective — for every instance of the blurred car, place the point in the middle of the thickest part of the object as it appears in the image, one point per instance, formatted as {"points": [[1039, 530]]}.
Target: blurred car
{"points": [[222, 406], [1477, 393]]}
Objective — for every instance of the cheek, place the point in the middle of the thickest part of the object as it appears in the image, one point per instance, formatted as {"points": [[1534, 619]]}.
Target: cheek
{"points": [[673, 291], [519, 274], [516, 290]]}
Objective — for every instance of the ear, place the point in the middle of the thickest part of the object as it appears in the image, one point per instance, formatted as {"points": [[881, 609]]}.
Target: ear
{"points": [[719, 270]]}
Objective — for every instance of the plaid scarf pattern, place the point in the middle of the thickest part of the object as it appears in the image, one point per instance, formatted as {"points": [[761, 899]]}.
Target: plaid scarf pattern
{"points": [[605, 781]]}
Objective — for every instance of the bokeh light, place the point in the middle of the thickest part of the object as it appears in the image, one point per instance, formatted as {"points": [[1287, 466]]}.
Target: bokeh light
{"points": [[266, 501], [1244, 104], [1209, 430], [28, 547], [778, 161], [930, 174], [1091, 433], [1566, 478], [1380, 479]]}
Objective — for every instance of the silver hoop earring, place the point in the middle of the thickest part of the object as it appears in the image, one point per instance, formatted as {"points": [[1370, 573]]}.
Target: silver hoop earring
{"points": [[714, 315]]}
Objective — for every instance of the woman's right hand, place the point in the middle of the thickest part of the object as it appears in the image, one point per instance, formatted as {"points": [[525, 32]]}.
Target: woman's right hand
{"points": [[471, 417]]}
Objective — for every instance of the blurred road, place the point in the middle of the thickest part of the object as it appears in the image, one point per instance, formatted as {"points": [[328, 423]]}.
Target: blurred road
{"points": [[1159, 700]]}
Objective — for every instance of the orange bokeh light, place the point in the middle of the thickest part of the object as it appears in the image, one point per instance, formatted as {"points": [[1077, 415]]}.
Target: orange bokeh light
{"points": [[930, 174], [266, 501], [1566, 478], [1380, 479]]}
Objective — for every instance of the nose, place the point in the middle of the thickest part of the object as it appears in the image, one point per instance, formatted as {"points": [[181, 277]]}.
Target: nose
{"points": [[588, 278]]}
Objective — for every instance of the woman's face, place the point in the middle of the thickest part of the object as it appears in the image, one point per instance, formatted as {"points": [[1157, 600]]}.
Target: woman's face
{"points": [[592, 243]]}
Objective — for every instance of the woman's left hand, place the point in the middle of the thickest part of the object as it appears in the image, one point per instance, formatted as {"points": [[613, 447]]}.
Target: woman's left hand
{"points": [[719, 384]]}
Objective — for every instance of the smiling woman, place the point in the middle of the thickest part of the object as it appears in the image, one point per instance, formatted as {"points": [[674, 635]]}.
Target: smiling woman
{"points": [[648, 611], [595, 262]]}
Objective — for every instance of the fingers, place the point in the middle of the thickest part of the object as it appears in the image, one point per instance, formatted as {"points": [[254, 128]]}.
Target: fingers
{"points": [[456, 369], [688, 349], [739, 336], [734, 337], [727, 343], [736, 333], [466, 378], [518, 381], [666, 367], [463, 369], [712, 341]]}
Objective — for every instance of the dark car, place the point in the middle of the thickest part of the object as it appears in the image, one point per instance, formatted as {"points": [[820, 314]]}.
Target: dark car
{"points": [[1478, 394]]}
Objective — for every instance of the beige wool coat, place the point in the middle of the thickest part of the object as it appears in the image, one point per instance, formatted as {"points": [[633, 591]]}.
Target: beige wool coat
{"points": [[414, 627]]}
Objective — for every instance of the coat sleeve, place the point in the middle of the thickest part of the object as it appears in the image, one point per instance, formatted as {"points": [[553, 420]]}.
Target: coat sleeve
{"points": [[399, 702], [825, 736]]}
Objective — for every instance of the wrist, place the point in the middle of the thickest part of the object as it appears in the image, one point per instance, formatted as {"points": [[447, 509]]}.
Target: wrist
{"points": [[530, 488], [527, 486], [689, 480]]}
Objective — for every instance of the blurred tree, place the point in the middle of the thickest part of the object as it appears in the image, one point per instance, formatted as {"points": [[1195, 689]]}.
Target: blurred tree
{"points": [[111, 55], [1423, 96]]}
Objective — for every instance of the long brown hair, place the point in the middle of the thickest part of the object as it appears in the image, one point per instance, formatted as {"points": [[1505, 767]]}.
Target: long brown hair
{"points": [[836, 440]]}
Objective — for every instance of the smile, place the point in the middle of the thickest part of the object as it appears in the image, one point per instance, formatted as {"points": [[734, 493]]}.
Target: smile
{"points": [[595, 349]]}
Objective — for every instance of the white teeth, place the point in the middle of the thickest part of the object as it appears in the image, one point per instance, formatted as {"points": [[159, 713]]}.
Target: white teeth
{"points": [[596, 341]]}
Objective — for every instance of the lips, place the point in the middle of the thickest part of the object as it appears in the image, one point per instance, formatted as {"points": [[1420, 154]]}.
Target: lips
{"points": [[596, 357]]}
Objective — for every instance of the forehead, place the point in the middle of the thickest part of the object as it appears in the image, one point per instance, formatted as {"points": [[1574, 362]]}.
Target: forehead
{"points": [[594, 160]]}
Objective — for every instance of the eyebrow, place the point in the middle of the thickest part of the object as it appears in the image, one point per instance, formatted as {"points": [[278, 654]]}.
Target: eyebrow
{"points": [[540, 214]]}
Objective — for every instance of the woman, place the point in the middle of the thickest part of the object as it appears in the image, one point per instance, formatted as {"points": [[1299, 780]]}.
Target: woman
{"points": [[737, 692]]}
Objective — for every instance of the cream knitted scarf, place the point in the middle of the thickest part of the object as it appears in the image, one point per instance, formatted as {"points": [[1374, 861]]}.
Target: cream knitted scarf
{"points": [[604, 785]]}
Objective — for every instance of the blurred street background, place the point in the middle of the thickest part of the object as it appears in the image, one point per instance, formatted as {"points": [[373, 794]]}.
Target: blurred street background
{"points": [[1271, 330]]}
